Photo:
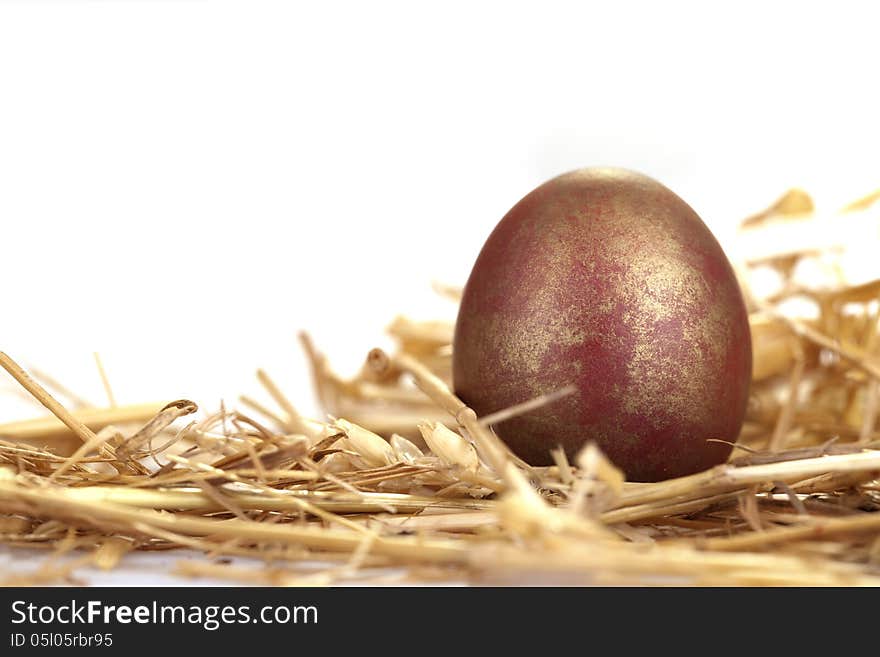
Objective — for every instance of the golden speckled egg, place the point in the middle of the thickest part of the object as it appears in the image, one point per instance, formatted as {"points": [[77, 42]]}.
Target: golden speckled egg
{"points": [[605, 279]]}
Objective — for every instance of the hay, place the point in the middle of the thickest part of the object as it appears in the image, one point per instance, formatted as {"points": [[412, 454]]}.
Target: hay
{"points": [[403, 482]]}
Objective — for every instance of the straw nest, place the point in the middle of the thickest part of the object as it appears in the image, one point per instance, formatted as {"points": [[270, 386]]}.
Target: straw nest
{"points": [[403, 482]]}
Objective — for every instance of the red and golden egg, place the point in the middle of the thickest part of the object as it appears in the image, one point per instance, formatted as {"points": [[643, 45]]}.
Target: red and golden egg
{"points": [[605, 279]]}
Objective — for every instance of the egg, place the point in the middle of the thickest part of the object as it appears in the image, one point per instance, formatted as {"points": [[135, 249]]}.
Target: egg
{"points": [[606, 281]]}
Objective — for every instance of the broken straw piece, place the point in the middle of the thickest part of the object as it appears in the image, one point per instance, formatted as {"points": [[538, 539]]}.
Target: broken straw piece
{"points": [[373, 449], [449, 446]]}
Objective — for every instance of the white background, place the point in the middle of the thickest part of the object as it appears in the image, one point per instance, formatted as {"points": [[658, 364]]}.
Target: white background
{"points": [[184, 185]]}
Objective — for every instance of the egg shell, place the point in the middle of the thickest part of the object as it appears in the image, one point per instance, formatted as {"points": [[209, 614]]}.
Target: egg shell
{"points": [[605, 279]]}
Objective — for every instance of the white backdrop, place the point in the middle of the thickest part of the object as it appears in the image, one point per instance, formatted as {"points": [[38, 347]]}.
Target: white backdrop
{"points": [[183, 185]]}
